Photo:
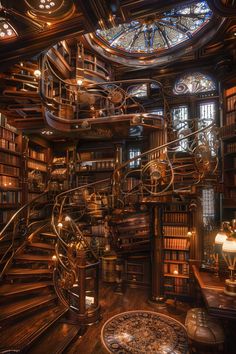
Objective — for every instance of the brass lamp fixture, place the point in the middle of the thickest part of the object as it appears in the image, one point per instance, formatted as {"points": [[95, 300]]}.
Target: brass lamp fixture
{"points": [[229, 254], [221, 236]]}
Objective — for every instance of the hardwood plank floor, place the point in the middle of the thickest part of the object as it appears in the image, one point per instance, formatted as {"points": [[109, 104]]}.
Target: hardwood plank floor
{"points": [[112, 304]]}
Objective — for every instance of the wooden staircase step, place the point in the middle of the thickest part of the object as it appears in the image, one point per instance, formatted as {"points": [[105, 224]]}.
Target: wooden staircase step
{"points": [[33, 258], [41, 245], [23, 307], [22, 288], [28, 271], [56, 339], [23, 333]]}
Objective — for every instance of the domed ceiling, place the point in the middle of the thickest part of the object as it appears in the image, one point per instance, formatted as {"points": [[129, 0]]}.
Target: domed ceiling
{"points": [[151, 40]]}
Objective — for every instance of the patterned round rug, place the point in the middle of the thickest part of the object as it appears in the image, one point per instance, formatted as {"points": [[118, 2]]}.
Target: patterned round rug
{"points": [[144, 332]]}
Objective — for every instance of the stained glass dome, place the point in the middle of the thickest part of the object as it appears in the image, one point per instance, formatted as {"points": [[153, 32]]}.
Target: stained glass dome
{"points": [[161, 32]]}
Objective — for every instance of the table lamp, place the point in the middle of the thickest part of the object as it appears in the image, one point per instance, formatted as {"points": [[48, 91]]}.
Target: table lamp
{"points": [[229, 254], [221, 236]]}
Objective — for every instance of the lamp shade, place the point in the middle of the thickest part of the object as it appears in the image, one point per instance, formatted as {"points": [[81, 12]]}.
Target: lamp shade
{"points": [[229, 246], [220, 237]]}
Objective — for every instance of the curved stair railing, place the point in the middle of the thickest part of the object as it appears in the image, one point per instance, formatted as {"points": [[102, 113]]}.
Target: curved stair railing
{"points": [[18, 228], [73, 107], [155, 173]]}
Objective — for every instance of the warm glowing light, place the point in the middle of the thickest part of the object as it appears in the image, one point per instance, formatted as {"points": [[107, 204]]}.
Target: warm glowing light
{"points": [[67, 218], [229, 245], [37, 73], [220, 237], [54, 257], [80, 82], [60, 225]]}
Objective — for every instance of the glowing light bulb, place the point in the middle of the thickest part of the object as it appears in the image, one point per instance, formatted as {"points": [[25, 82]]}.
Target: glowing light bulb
{"points": [[80, 82], [37, 73]]}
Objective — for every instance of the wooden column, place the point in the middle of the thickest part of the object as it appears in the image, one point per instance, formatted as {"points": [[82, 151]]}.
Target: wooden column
{"points": [[157, 297]]}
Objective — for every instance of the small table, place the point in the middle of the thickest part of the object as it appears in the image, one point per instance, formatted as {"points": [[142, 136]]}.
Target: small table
{"points": [[212, 288]]}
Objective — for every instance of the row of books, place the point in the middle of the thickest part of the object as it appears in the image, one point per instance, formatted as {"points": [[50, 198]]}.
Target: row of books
{"points": [[176, 243], [177, 285], [175, 208], [176, 255], [59, 173], [37, 166], [59, 160], [231, 101], [9, 170], [38, 155], [10, 182], [231, 147], [175, 217], [228, 130], [6, 144], [176, 269], [7, 134], [96, 165], [10, 197], [176, 231], [230, 118], [8, 159]]}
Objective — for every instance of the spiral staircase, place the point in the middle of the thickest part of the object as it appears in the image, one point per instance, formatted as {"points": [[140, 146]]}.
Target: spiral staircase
{"points": [[49, 265], [40, 262]]}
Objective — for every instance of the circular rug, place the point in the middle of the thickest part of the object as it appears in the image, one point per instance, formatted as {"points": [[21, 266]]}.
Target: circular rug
{"points": [[144, 332]]}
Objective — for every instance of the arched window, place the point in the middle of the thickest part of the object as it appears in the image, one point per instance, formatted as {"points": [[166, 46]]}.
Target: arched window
{"points": [[6, 30], [203, 111], [193, 83]]}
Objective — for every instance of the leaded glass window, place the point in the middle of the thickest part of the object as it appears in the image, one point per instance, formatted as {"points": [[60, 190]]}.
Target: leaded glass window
{"points": [[180, 125], [207, 115], [208, 206], [165, 30], [6, 29], [133, 152], [193, 83]]}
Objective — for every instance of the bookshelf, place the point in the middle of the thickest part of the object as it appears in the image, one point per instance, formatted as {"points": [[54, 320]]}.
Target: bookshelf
{"points": [[10, 170], [228, 131], [37, 167], [59, 172], [94, 162], [176, 250]]}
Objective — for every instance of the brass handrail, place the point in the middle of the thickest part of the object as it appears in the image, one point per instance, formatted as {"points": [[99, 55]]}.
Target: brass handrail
{"points": [[14, 223]]}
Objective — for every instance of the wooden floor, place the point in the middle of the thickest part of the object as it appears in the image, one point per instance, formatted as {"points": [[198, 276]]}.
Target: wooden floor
{"points": [[112, 304]]}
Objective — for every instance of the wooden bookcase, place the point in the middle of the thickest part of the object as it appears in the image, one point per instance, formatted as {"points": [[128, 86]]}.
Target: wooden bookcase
{"points": [[59, 172], [176, 250], [228, 136], [37, 166], [10, 170]]}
